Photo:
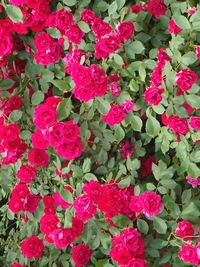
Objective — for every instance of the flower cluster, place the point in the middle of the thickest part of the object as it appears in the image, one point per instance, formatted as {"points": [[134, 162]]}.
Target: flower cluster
{"points": [[128, 248]]}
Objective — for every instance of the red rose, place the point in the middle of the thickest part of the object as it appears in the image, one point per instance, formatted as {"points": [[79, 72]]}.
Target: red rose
{"points": [[185, 79], [30, 203], [100, 28], [6, 43], [88, 15], [178, 125], [38, 140], [74, 34], [38, 158], [17, 265], [156, 8], [63, 237], [26, 173], [125, 30], [32, 247], [81, 255]]}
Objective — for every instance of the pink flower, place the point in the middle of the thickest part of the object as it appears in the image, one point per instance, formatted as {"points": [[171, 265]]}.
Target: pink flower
{"points": [[178, 125], [100, 28], [6, 44], [55, 134], [128, 105], [192, 10], [49, 223], [188, 253], [185, 79], [153, 95], [81, 255], [185, 230], [125, 30], [75, 34], [17, 265], [136, 8], [32, 247], [84, 207], [156, 8], [63, 237], [194, 123], [70, 150], [198, 51], [127, 150], [38, 140], [26, 173], [88, 16], [30, 203], [193, 181], [44, 116], [173, 28], [151, 203], [38, 158], [59, 201], [136, 204], [114, 116]]}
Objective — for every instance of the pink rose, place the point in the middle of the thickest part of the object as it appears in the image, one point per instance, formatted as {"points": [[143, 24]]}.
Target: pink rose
{"points": [[114, 116], [173, 28], [75, 34], [38, 158], [38, 140], [156, 8], [63, 238], [44, 116], [185, 79], [178, 125], [137, 8], [6, 44], [198, 51], [153, 95], [81, 255], [84, 207], [32, 247], [151, 203], [125, 30], [100, 28], [26, 173], [88, 16], [17, 265], [70, 150], [188, 253], [194, 182], [185, 230], [194, 123], [55, 134]]}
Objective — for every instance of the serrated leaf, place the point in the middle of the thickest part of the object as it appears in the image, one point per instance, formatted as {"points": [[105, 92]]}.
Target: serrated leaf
{"points": [[159, 225], [64, 108], [14, 13]]}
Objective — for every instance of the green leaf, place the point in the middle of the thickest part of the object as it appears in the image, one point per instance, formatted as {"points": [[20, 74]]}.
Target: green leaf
{"points": [[69, 2], [6, 84], [64, 108], [86, 165], [14, 13], [142, 226], [15, 115], [191, 212], [68, 218], [189, 58], [193, 100], [122, 221], [67, 196], [112, 8], [152, 127], [84, 26], [159, 225], [136, 123], [119, 133], [125, 182], [61, 84], [181, 21], [37, 98]]}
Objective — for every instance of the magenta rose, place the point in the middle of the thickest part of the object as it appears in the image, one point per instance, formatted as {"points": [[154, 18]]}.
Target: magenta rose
{"points": [[125, 30], [81, 255], [153, 95], [115, 115], [173, 28], [156, 8], [185, 230], [185, 79], [38, 158], [178, 125], [194, 123], [26, 173], [32, 247]]}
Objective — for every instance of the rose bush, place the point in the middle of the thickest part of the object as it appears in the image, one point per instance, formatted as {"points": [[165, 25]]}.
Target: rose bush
{"points": [[99, 133]]}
